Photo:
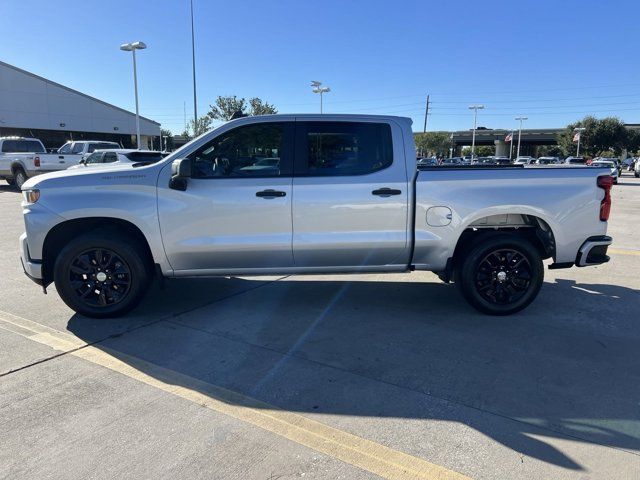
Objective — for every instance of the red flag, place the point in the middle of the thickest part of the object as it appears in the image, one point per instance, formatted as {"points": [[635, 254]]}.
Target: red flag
{"points": [[508, 138], [576, 137]]}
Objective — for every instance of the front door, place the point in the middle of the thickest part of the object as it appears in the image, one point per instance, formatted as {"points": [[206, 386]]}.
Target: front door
{"points": [[350, 196], [235, 214]]}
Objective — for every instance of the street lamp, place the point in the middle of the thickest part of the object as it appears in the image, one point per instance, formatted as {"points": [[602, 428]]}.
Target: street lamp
{"points": [[317, 88], [132, 47], [475, 108], [522, 119], [578, 134]]}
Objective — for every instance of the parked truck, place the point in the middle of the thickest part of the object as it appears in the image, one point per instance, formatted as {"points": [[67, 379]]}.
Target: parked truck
{"points": [[293, 194], [22, 158]]}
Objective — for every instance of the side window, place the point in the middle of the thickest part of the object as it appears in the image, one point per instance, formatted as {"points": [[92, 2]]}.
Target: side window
{"points": [[344, 148], [92, 147], [77, 148], [66, 148], [258, 150], [110, 157], [94, 158]]}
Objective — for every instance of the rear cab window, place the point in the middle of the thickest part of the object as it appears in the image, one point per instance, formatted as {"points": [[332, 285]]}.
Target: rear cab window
{"points": [[22, 146], [342, 148]]}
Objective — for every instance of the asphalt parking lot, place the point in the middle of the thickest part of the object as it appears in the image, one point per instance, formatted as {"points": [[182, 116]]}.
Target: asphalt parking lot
{"points": [[360, 376]]}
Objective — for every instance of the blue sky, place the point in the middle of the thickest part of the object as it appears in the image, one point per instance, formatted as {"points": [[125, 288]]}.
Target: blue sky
{"points": [[553, 61]]}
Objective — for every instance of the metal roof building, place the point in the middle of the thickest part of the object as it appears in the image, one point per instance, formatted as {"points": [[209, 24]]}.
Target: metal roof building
{"points": [[33, 106]]}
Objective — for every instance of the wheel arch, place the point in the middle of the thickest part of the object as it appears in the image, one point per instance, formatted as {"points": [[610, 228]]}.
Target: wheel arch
{"points": [[531, 227], [63, 232]]}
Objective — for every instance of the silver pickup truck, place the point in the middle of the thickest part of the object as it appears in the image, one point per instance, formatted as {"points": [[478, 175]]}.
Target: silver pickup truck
{"points": [[290, 194]]}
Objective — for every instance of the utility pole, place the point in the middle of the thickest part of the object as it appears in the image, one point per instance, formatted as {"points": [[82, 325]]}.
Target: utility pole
{"points": [[475, 108], [426, 115]]}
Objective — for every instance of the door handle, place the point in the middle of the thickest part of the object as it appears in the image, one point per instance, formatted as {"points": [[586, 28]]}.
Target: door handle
{"points": [[270, 194], [386, 192], [61, 157]]}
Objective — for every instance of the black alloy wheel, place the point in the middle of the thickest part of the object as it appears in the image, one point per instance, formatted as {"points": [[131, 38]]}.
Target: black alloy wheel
{"points": [[100, 277], [503, 276]]}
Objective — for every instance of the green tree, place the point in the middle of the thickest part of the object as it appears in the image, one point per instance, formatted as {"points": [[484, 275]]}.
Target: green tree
{"points": [[195, 129], [480, 151], [433, 143], [225, 107], [600, 135], [167, 139], [259, 107]]}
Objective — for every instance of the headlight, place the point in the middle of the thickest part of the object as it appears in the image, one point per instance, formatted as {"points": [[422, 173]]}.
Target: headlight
{"points": [[31, 196]]}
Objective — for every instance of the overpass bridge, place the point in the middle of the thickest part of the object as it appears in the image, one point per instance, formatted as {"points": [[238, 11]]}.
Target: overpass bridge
{"points": [[531, 138]]}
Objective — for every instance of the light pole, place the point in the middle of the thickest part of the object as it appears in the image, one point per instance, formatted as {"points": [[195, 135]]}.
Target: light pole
{"points": [[317, 88], [578, 134], [522, 119], [475, 109], [132, 47], [511, 146], [193, 68]]}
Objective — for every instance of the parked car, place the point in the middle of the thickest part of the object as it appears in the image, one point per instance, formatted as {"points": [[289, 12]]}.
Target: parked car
{"points": [[453, 161], [575, 160], [21, 158], [84, 148], [611, 165], [548, 161], [118, 157], [428, 161], [345, 198], [502, 160], [636, 168], [525, 160], [628, 164]]}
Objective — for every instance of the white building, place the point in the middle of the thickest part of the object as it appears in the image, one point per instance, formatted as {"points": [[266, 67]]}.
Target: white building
{"points": [[32, 106]]}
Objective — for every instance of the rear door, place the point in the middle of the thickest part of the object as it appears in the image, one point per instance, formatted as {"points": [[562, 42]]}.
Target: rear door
{"points": [[350, 195], [235, 214]]}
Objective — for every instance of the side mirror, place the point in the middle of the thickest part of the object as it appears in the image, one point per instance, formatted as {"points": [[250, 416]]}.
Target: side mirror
{"points": [[180, 172], [83, 161]]}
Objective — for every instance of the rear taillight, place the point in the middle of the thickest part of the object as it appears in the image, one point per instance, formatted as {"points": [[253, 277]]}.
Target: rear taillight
{"points": [[605, 183], [36, 161]]}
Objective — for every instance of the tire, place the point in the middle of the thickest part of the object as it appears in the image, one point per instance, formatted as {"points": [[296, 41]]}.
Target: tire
{"points": [[636, 174], [93, 270], [489, 280], [11, 181], [20, 177]]}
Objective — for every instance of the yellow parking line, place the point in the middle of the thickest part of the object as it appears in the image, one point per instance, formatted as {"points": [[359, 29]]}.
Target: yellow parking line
{"points": [[360, 452], [623, 251]]}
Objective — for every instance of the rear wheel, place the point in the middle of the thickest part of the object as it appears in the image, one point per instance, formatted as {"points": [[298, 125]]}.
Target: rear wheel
{"points": [[501, 275], [20, 177], [102, 274]]}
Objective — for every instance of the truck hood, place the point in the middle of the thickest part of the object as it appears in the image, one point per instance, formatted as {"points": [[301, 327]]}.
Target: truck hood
{"points": [[87, 176]]}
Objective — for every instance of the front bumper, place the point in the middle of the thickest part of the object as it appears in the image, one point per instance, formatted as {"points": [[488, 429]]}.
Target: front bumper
{"points": [[32, 268], [594, 251]]}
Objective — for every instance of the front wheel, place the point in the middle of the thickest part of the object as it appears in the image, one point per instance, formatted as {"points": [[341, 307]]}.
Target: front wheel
{"points": [[501, 275], [10, 181], [102, 275]]}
